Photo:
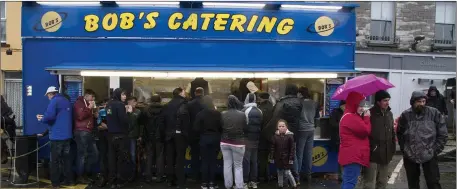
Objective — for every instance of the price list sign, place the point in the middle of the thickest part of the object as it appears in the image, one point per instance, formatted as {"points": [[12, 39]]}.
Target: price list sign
{"points": [[332, 85]]}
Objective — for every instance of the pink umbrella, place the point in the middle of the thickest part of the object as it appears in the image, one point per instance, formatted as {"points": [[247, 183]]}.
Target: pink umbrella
{"points": [[365, 84]]}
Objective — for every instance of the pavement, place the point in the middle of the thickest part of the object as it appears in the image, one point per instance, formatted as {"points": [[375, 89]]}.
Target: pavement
{"points": [[397, 178]]}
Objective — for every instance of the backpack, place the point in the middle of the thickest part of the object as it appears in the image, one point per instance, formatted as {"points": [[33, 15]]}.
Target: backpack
{"points": [[291, 112]]}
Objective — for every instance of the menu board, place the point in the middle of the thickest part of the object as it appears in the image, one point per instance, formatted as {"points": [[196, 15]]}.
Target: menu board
{"points": [[332, 85], [73, 89]]}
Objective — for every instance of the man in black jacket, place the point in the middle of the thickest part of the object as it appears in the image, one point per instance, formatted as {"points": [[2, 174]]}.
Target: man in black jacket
{"points": [[177, 121], [154, 138], [422, 135], [195, 106], [382, 143], [266, 106], [121, 165], [335, 118], [436, 99]]}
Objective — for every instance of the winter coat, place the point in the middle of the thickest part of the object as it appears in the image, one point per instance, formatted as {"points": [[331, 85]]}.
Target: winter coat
{"points": [[155, 123], [195, 106], [177, 118], [84, 118], [437, 101], [288, 108], [58, 116], [354, 134], [335, 118], [134, 124], [254, 120], [208, 122], [234, 123], [7, 121], [421, 137], [117, 118], [283, 149], [382, 139], [267, 109]]}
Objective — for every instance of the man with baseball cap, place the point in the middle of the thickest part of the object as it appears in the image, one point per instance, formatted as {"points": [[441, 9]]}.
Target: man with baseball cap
{"points": [[422, 134], [58, 117]]}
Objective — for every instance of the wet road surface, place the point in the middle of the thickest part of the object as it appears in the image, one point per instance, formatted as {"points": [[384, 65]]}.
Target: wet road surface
{"points": [[447, 170]]}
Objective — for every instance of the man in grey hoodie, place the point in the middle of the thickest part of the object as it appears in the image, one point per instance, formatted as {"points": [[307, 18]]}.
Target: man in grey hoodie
{"points": [[305, 135], [421, 134]]}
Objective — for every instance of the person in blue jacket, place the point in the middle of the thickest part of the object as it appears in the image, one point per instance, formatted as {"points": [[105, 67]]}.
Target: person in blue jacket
{"points": [[58, 117]]}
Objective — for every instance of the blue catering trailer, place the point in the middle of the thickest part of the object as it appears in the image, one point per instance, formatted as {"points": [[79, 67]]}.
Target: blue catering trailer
{"points": [[166, 37]]}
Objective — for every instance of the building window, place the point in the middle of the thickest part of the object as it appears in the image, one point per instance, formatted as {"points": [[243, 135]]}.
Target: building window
{"points": [[382, 22], [2, 22], [445, 24]]}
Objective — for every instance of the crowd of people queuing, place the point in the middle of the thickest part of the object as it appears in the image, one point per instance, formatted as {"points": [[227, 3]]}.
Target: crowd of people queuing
{"points": [[249, 135]]}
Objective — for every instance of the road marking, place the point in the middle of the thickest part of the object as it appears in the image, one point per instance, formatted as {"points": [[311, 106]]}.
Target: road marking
{"points": [[396, 172]]}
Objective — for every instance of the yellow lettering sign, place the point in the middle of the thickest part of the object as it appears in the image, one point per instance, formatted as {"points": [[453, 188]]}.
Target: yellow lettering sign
{"points": [[172, 23], [109, 22], [194, 21], [151, 20], [127, 20]]}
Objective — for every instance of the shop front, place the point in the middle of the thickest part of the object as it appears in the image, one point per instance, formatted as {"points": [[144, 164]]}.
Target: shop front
{"points": [[156, 47]]}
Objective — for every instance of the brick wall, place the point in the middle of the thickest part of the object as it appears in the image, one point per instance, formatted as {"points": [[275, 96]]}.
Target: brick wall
{"points": [[412, 19]]}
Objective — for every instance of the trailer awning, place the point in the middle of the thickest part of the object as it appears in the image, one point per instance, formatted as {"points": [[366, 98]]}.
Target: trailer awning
{"points": [[161, 70]]}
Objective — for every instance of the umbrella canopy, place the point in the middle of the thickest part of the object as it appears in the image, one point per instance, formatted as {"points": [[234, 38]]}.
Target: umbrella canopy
{"points": [[365, 84]]}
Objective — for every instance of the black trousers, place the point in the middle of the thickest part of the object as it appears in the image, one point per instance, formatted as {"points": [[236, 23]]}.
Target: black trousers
{"points": [[121, 167], [431, 173], [211, 146], [103, 148], [155, 156], [195, 161], [264, 172], [176, 152]]}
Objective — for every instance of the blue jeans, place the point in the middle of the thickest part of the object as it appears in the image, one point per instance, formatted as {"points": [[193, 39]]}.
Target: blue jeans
{"points": [[87, 155], [351, 175], [133, 151], [60, 161], [304, 152]]}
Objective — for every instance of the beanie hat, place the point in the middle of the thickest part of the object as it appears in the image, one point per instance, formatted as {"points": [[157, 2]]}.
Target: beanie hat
{"points": [[380, 95], [416, 96]]}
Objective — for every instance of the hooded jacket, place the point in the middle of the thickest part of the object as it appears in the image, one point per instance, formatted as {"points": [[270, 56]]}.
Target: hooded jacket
{"points": [[84, 118], [421, 136], [177, 117], [254, 118], [234, 123], [155, 123], [117, 118], [283, 149], [288, 108], [354, 134], [58, 116], [382, 139], [436, 101]]}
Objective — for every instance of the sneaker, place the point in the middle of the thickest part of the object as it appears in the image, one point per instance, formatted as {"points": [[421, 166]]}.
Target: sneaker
{"points": [[246, 186], [204, 186], [212, 186], [253, 185]]}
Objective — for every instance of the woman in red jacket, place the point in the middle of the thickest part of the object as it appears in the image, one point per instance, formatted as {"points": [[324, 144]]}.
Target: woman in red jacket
{"points": [[355, 129]]}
